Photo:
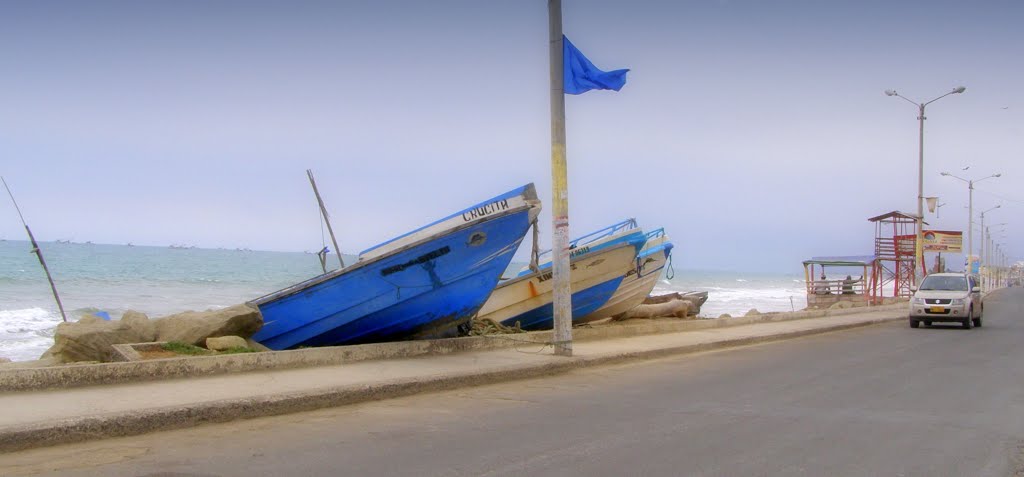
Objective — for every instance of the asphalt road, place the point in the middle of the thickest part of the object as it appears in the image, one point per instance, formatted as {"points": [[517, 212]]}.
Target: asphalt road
{"points": [[884, 400]]}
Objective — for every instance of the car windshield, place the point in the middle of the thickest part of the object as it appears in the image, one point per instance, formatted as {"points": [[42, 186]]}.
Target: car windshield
{"points": [[944, 283]]}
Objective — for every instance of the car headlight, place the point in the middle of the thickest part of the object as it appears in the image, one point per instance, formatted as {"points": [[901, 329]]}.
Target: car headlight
{"points": [[957, 301], [918, 301]]}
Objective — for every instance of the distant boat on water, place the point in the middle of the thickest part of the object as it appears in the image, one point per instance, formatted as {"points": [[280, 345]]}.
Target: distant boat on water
{"points": [[598, 262], [425, 284]]}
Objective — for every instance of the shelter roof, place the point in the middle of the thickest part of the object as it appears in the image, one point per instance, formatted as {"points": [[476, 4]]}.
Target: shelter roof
{"points": [[894, 214], [842, 261]]}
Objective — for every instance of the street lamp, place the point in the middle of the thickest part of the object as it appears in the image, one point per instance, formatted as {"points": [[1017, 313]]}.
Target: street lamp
{"points": [[970, 211], [986, 254], [981, 251], [918, 254]]}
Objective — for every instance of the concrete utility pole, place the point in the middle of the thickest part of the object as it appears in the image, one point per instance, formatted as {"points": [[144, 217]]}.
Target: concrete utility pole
{"points": [[918, 251], [970, 213], [559, 189]]}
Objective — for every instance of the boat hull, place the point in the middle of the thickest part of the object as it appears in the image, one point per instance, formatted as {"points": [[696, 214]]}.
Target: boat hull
{"points": [[527, 299], [420, 285], [638, 282]]}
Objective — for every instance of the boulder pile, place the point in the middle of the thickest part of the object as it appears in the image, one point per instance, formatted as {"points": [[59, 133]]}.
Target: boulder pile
{"points": [[92, 338]]}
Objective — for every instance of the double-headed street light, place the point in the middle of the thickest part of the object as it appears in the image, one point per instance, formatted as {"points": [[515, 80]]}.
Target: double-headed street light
{"points": [[918, 254], [970, 212]]}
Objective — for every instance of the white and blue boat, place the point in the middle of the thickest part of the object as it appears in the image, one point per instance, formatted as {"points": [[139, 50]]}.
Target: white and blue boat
{"points": [[597, 261], [425, 284], [639, 279]]}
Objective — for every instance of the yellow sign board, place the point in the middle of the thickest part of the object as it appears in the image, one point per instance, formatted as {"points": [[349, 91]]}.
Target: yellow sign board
{"points": [[943, 241]]}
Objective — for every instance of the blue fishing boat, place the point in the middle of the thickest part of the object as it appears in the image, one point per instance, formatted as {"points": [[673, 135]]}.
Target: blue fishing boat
{"points": [[598, 262], [425, 284]]}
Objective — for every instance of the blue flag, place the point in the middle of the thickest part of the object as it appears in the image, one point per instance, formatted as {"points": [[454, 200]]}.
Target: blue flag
{"points": [[580, 75]]}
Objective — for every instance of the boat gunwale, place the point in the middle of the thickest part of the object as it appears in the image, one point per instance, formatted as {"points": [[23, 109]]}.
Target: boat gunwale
{"points": [[528, 192], [298, 287], [586, 256]]}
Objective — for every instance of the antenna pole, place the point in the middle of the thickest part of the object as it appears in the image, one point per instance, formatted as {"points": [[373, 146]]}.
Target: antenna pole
{"points": [[35, 250], [327, 220]]}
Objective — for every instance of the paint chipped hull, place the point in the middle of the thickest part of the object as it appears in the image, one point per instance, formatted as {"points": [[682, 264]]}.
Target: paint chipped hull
{"points": [[595, 276], [424, 284], [639, 279]]}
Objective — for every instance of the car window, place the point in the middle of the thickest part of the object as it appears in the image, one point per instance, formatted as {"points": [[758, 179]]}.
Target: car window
{"points": [[944, 283]]}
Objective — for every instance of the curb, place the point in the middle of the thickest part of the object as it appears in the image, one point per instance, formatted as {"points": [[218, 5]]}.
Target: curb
{"points": [[80, 429], [79, 375]]}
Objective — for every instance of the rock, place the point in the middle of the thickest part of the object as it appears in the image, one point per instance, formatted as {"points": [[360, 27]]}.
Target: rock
{"points": [[839, 305], [222, 343], [4, 360], [724, 315], [193, 327], [91, 340], [87, 319], [256, 346], [141, 323], [753, 312]]}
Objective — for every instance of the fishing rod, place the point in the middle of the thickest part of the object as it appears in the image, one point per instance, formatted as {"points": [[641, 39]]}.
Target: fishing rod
{"points": [[35, 250]]}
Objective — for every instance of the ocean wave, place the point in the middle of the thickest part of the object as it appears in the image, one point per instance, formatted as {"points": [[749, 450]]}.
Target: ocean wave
{"points": [[27, 332]]}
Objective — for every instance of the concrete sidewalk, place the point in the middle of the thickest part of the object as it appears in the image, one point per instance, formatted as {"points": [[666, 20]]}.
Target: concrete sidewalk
{"points": [[49, 417]]}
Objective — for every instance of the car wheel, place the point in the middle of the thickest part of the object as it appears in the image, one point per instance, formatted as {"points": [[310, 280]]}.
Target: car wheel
{"points": [[968, 321], [914, 323], [977, 322]]}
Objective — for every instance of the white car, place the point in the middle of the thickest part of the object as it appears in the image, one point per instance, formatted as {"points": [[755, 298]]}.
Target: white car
{"points": [[947, 297]]}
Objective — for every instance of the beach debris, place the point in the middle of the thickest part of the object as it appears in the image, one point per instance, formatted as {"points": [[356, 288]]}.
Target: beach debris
{"points": [[222, 343], [696, 299], [672, 308], [194, 327]]}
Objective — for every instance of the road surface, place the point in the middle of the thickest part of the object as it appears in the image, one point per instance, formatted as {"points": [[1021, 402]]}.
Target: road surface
{"points": [[884, 400]]}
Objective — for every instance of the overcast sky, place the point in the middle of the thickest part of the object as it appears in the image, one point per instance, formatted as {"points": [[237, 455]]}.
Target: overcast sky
{"points": [[756, 132]]}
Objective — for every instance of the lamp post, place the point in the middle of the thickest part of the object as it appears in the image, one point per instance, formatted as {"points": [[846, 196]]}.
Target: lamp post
{"points": [[988, 256], [970, 211], [981, 252], [918, 254]]}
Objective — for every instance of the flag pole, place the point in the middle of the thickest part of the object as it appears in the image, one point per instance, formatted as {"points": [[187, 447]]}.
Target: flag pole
{"points": [[562, 339]]}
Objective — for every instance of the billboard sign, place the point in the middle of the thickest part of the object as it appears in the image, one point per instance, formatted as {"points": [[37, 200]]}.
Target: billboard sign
{"points": [[943, 241]]}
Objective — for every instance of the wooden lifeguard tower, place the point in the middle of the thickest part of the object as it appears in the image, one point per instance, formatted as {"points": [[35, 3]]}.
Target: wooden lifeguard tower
{"points": [[893, 269]]}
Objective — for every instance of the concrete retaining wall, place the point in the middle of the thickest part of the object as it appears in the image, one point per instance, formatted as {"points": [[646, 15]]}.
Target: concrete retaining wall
{"points": [[193, 366]]}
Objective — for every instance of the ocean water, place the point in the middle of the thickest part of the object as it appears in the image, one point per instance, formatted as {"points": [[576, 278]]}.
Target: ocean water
{"points": [[160, 281]]}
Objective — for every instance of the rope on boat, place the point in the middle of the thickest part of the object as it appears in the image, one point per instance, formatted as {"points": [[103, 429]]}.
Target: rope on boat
{"points": [[535, 253], [487, 326]]}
